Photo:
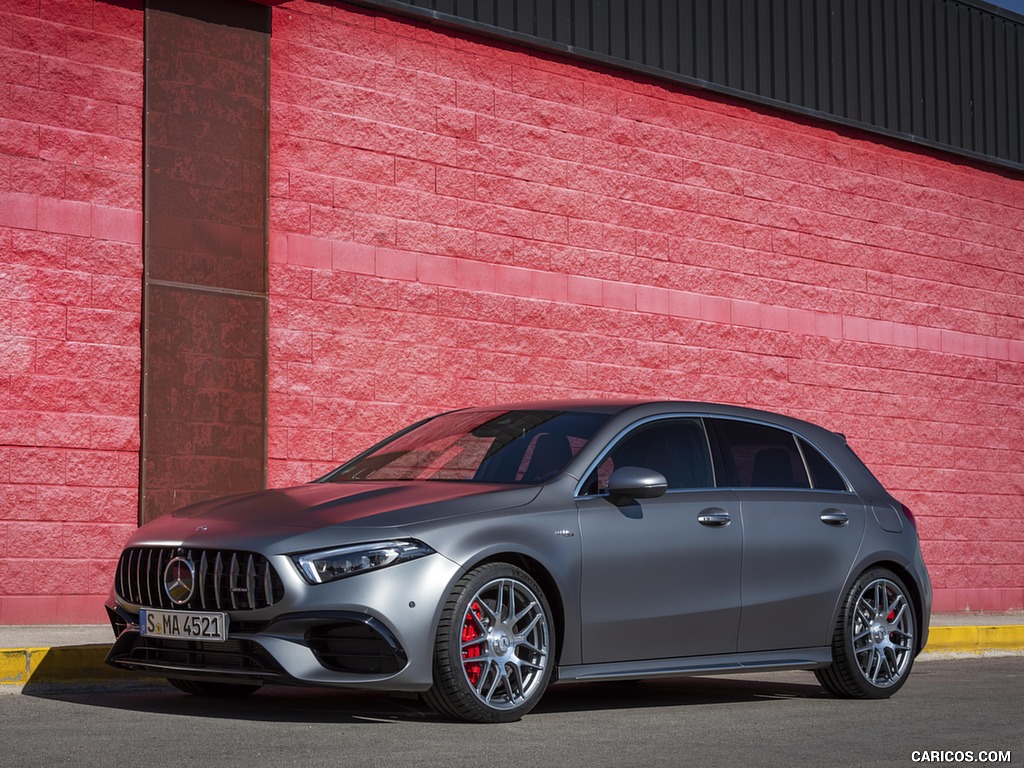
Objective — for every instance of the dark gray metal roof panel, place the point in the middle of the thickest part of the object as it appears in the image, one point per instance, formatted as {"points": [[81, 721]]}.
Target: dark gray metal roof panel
{"points": [[947, 74]]}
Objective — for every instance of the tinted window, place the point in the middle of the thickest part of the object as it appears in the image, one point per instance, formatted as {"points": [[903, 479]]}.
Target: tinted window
{"points": [[759, 456], [677, 448], [823, 475], [481, 446]]}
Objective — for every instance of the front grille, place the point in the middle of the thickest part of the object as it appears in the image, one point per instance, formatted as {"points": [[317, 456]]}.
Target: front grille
{"points": [[225, 580]]}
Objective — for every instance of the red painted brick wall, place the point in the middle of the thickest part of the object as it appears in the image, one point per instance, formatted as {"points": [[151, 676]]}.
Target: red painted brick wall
{"points": [[456, 221], [70, 293]]}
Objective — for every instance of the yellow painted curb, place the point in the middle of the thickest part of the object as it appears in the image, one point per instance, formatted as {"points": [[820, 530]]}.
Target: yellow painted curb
{"points": [[968, 639], [16, 665], [21, 666]]}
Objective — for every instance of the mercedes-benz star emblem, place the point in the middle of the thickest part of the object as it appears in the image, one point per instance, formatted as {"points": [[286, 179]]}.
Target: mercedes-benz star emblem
{"points": [[179, 580]]}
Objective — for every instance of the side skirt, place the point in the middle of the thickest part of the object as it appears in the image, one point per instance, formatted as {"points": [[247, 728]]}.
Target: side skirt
{"points": [[764, 661]]}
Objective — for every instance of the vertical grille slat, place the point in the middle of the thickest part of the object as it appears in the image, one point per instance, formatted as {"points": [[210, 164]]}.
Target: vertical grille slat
{"points": [[218, 573], [119, 577], [153, 567], [233, 581], [124, 570], [224, 580], [250, 582], [137, 570], [201, 578], [268, 584], [142, 571], [155, 577]]}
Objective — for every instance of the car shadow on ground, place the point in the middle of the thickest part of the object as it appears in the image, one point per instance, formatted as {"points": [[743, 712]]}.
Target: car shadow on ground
{"points": [[316, 705], [678, 692]]}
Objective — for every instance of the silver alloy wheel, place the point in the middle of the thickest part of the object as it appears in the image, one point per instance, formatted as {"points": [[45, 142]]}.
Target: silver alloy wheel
{"points": [[883, 632], [505, 644]]}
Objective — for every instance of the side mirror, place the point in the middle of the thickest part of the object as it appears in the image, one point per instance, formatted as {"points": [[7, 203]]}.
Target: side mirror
{"points": [[628, 483]]}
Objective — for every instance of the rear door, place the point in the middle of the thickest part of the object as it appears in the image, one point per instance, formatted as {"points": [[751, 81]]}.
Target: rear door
{"points": [[802, 532], [660, 577]]}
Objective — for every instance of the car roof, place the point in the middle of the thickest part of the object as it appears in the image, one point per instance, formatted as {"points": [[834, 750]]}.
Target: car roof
{"points": [[653, 406]]}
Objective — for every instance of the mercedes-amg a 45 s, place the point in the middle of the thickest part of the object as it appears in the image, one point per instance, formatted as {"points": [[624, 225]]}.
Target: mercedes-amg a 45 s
{"points": [[483, 554]]}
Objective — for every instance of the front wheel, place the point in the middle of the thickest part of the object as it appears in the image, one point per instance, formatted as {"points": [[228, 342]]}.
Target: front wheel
{"points": [[493, 655], [875, 639]]}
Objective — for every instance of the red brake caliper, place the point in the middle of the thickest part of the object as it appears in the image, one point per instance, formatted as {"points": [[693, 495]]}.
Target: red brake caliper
{"points": [[470, 632]]}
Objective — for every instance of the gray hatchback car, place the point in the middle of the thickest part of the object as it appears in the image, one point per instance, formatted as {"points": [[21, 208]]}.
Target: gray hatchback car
{"points": [[480, 555]]}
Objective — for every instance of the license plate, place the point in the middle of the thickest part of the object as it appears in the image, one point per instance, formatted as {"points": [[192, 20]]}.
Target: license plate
{"points": [[184, 625]]}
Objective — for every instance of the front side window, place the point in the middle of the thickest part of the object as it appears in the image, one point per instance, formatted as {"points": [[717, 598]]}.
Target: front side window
{"points": [[677, 448], [525, 446]]}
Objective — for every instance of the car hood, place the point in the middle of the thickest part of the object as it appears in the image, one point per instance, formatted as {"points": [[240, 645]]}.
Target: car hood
{"points": [[285, 512]]}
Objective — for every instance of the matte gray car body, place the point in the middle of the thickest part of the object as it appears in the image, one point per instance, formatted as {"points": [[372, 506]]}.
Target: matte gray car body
{"points": [[638, 578]]}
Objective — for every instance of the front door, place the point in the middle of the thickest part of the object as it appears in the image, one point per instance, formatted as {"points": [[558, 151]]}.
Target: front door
{"points": [[660, 577], [657, 583]]}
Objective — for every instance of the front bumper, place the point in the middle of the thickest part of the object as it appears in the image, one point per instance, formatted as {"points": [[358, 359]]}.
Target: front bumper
{"points": [[374, 631], [342, 643]]}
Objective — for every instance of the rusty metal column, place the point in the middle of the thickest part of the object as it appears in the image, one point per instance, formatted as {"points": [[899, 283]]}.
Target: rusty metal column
{"points": [[206, 132]]}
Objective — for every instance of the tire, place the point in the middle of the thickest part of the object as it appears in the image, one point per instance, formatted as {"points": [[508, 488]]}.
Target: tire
{"points": [[211, 689], [494, 650], [875, 639]]}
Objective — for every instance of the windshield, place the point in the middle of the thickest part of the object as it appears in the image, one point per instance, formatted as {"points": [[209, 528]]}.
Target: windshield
{"points": [[482, 446]]}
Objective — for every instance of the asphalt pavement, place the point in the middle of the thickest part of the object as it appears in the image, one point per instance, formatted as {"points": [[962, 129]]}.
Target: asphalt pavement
{"points": [[950, 712]]}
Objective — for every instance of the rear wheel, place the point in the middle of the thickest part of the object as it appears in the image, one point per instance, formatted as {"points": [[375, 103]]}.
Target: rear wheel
{"points": [[209, 688], [875, 639], [493, 655]]}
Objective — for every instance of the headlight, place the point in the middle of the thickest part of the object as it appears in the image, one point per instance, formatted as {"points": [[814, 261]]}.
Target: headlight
{"points": [[331, 564]]}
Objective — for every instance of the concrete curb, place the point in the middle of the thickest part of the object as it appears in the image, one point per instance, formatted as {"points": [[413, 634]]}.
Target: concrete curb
{"points": [[83, 664]]}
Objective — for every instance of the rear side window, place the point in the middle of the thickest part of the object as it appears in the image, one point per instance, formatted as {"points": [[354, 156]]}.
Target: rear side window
{"points": [[823, 475], [759, 456]]}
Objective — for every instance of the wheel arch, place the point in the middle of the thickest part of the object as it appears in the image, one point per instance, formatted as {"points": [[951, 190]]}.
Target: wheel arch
{"points": [[906, 576], [544, 579]]}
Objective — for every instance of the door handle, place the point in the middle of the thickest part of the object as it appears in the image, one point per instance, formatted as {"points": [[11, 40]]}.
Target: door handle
{"points": [[714, 518], [834, 517]]}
